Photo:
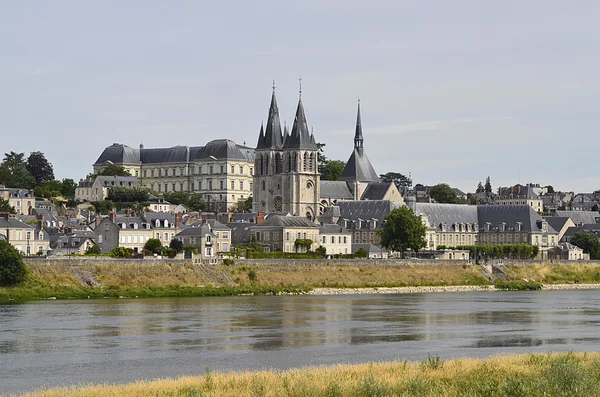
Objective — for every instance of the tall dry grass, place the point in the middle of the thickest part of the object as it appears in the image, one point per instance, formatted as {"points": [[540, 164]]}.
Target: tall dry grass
{"points": [[567, 374]]}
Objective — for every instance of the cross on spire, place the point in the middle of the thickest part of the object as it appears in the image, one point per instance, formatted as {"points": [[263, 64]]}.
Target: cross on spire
{"points": [[273, 86], [300, 91]]}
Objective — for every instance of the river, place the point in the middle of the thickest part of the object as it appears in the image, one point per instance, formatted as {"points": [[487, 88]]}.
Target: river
{"points": [[53, 343]]}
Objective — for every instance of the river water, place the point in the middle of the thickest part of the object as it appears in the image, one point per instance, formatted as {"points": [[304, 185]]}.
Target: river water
{"points": [[52, 343]]}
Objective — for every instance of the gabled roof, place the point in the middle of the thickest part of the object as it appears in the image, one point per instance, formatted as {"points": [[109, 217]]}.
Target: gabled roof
{"points": [[581, 216], [518, 191], [300, 137], [375, 191], [359, 168], [202, 230], [511, 215], [241, 233], [370, 248], [335, 190], [557, 222], [110, 181], [13, 223], [332, 229]]}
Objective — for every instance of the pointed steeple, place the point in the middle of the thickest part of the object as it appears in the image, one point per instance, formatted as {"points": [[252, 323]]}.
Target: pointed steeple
{"points": [[261, 138], [300, 137], [273, 139], [358, 135]]}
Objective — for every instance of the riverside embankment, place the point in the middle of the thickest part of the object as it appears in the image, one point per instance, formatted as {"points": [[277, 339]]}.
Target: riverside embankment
{"points": [[81, 278]]}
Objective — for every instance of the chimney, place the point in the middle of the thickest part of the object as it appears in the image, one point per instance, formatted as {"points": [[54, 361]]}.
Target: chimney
{"points": [[178, 219], [98, 220], [112, 215], [229, 217], [200, 216], [519, 190], [41, 221], [260, 218], [127, 212]]}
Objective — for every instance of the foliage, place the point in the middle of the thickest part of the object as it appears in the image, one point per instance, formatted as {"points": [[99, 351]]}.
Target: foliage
{"points": [[252, 275], [12, 269], [103, 207], [403, 230], [67, 189], [303, 243], [39, 168], [400, 180], [443, 193], [176, 244], [250, 254], [114, 170], [121, 252], [153, 245], [255, 245], [196, 203], [176, 198], [13, 172], [93, 249], [171, 252], [550, 189], [361, 253], [330, 170], [228, 262], [135, 194], [242, 205], [190, 248], [498, 251], [588, 242], [5, 206], [518, 285], [480, 188], [322, 251], [488, 185]]}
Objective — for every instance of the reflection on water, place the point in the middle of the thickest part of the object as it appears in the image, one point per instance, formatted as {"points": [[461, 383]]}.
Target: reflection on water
{"points": [[62, 342]]}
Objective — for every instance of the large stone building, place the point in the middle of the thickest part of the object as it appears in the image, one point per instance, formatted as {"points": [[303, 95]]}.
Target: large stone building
{"points": [[221, 172], [287, 176]]}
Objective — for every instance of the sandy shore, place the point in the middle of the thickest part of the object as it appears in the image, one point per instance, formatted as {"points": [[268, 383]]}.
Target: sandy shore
{"points": [[419, 290]]}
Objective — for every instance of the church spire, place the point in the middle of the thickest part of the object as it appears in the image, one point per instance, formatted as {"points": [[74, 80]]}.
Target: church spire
{"points": [[273, 138], [358, 136], [300, 137]]}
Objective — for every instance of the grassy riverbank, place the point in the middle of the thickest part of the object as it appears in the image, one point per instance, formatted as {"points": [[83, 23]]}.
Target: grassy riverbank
{"points": [[567, 374], [62, 280]]}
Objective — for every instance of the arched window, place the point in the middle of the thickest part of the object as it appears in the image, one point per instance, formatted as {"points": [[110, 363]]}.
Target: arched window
{"points": [[267, 165], [305, 162], [261, 165], [311, 162], [289, 162], [278, 163]]}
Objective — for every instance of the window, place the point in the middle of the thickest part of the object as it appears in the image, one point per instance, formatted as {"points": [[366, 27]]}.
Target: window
{"points": [[251, 171], [210, 169], [222, 169], [181, 187], [145, 173], [166, 187], [332, 239], [263, 185], [221, 185], [173, 187], [241, 185], [232, 185], [210, 184], [344, 239], [233, 169], [152, 173], [241, 170], [324, 239]]}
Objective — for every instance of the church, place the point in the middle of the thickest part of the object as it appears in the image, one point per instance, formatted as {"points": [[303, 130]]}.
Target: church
{"points": [[287, 178]]}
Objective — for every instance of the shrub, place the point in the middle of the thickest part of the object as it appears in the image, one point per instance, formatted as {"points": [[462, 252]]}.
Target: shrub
{"points": [[153, 245], [252, 275], [361, 253], [121, 252], [93, 250], [228, 262], [12, 269], [171, 252], [176, 244]]}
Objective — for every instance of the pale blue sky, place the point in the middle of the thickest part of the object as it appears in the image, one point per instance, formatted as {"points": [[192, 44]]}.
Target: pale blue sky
{"points": [[451, 91]]}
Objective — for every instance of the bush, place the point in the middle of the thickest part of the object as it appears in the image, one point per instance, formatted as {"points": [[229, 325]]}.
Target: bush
{"points": [[176, 244], [252, 275], [228, 262], [12, 269], [121, 252], [93, 250], [171, 253], [153, 245], [361, 253]]}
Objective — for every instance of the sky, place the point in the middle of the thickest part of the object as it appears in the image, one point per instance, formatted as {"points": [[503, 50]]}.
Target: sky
{"points": [[451, 91]]}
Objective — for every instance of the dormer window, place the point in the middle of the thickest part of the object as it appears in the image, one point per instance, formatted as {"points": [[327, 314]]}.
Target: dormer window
{"points": [[502, 226], [157, 223], [166, 223], [544, 226], [487, 226], [135, 225], [443, 226], [518, 226]]}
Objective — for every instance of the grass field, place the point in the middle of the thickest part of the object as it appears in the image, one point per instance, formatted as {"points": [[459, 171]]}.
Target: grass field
{"points": [[557, 273], [567, 374]]}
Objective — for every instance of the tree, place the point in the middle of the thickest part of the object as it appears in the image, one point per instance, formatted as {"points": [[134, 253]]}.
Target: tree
{"points": [[67, 188], [400, 180], [550, 189], [93, 249], [13, 172], [488, 185], [129, 194], [114, 170], [153, 245], [332, 169], [588, 242], [5, 206], [176, 244], [196, 203], [39, 168], [480, 188], [242, 205], [443, 193], [12, 268], [403, 230], [177, 198], [595, 207], [361, 253]]}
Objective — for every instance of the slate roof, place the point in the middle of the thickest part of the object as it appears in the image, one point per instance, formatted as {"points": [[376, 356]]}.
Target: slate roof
{"points": [[376, 191], [332, 229], [195, 231], [359, 168], [511, 214], [129, 221], [335, 190], [219, 148], [13, 223], [581, 216], [557, 222], [111, 181], [216, 225], [161, 216], [287, 221], [518, 192], [300, 137], [593, 228], [447, 213], [370, 248], [366, 209], [241, 234]]}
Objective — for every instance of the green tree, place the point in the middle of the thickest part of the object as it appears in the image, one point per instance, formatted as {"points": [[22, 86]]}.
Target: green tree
{"points": [[550, 189], [67, 188], [153, 245], [103, 207], [480, 188], [129, 194], [332, 169], [361, 253], [93, 249], [114, 170], [176, 244], [443, 193], [12, 268], [488, 185], [13, 172], [5, 206], [196, 203], [121, 252], [403, 230], [39, 168], [400, 180], [177, 198], [242, 205], [588, 242]]}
